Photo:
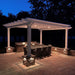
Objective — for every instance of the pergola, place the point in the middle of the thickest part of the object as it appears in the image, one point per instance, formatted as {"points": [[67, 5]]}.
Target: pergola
{"points": [[41, 25]]}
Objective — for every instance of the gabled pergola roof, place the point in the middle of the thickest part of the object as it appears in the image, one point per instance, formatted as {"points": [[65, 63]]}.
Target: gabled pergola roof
{"points": [[37, 24]]}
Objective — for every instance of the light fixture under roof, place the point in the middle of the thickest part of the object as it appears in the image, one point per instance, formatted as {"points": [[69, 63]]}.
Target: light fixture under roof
{"points": [[49, 27], [35, 25]]}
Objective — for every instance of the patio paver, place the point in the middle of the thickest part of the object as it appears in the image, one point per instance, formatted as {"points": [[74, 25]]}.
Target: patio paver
{"points": [[56, 64]]}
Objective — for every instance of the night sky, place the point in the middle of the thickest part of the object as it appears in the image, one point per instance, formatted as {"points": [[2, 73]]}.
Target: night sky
{"points": [[14, 6]]}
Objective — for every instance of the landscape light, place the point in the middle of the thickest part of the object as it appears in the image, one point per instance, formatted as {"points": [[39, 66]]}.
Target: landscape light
{"points": [[31, 59], [24, 59], [55, 48], [9, 48], [23, 43]]}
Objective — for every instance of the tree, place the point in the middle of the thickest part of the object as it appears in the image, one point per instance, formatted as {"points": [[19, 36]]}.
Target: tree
{"points": [[53, 10], [11, 17], [1, 13], [3, 19], [22, 14], [62, 11], [38, 9]]}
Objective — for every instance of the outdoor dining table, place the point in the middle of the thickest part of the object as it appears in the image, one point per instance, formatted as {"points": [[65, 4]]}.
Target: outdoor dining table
{"points": [[40, 51]]}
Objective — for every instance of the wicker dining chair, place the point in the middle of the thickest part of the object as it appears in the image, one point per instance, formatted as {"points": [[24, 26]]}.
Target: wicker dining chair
{"points": [[44, 53], [49, 51], [38, 53]]}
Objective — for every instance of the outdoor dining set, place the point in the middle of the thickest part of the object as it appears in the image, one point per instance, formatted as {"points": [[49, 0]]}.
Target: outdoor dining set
{"points": [[40, 51], [37, 52]]}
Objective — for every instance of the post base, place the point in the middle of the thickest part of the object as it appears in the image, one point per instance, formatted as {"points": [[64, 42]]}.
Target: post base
{"points": [[28, 61], [9, 49], [67, 51]]}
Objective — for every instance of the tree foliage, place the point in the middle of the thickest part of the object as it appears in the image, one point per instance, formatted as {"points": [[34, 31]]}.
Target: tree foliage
{"points": [[54, 10], [11, 17], [22, 14], [4, 19]]}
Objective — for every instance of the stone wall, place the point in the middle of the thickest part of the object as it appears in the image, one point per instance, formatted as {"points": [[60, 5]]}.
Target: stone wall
{"points": [[63, 50]]}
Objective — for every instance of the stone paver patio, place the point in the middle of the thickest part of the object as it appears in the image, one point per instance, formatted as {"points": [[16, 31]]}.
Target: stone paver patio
{"points": [[56, 64]]}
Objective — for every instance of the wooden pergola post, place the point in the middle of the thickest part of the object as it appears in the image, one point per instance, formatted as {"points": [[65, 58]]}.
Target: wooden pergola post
{"points": [[29, 40], [8, 34], [66, 38], [40, 37]]}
